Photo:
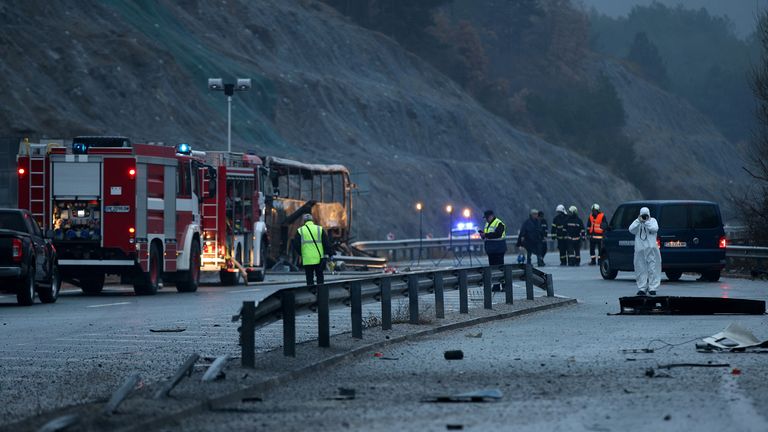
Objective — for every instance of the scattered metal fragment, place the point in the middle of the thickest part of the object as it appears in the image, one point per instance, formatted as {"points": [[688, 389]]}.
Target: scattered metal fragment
{"points": [[60, 423], [677, 365], [488, 395], [121, 393], [184, 370], [215, 370], [651, 373], [637, 351], [454, 355], [454, 427], [344, 394], [474, 335], [672, 305], [734, 338], [251, 399], [168, 330]]}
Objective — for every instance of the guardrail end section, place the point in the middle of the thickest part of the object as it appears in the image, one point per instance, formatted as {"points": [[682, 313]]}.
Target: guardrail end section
{"points": [[60, 423], [121, 393], [215, 369]]}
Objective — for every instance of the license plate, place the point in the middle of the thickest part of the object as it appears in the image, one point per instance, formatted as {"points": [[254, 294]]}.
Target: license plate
{"points": [[117, 209], [675, 244]]}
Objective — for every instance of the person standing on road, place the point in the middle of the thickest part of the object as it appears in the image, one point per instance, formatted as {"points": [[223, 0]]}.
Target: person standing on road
{"points": [[530, 237], [544, 236], [495, 235], [574, 232], [314, 246], [558, 232], [647, 255], [596, 226]]}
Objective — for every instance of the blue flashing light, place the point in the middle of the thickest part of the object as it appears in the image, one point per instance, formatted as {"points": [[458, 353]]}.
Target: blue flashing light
{"points": [[184, 149], [79, 148]]}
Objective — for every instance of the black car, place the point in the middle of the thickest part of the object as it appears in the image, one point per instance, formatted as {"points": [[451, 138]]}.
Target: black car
{"points": [[27, 259], [691, 238]]}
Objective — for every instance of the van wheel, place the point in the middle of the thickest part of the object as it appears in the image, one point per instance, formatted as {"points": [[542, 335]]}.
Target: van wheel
{"points": [[673, 275], [92, 284], [25, 294], [606, 271], [148, 283], [711, 276], [190, 280]]}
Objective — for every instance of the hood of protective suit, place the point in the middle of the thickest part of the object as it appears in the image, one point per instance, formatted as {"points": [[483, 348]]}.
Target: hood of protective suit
{"points": [[645, 211], [560, 208]]}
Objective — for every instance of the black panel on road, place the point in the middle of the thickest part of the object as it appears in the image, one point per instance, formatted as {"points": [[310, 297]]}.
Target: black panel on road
{"points": [[689, 305]]}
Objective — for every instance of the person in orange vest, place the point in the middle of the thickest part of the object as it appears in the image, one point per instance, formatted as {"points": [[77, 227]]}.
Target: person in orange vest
{"points": [[596, 226]]}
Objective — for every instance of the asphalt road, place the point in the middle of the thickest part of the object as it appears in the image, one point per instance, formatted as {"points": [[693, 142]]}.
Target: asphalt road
{"points": [[80, 349], [570, 369]]}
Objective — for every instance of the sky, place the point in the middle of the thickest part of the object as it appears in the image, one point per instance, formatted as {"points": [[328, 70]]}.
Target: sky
{"points": [[741, 12]]}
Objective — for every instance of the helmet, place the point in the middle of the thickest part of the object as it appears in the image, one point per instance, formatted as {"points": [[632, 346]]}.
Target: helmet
{"points": [[307, 217], [596, 206], [560, 208], [573, 209]]}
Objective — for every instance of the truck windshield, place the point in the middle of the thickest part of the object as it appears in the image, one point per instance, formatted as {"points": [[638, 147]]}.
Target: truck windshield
{"points": [[12, 221]]}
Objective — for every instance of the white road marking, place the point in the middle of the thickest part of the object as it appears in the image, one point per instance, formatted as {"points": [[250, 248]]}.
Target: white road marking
{"points": [[245, 290], [109, 304]]}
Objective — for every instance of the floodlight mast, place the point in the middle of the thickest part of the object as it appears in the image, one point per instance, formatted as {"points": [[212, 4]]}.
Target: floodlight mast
{"points": [[217, 84]]}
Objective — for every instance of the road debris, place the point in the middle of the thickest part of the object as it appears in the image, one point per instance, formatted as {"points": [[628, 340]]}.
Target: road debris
{"points": [[454, 427], [487, 395], [705, 365], [672, 305], [184, 370], [474, 335], [168, 330], [734, 338], [454, 355], [215, 370], [344, 394]]}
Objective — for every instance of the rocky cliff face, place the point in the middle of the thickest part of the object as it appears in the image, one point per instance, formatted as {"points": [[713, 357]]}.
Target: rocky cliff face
{"points": [[325, 91], [687, 156]]}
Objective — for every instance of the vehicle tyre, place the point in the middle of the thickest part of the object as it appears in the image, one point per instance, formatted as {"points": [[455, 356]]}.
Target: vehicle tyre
{"points": [[190, 280], [673, 275], [25, 294], [606, 271], [148, 283], [260, 272], [51, 293], [711, 275], [92, 284]]}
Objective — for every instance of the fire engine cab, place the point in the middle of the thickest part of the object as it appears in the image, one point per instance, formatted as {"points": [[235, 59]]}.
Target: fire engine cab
{"points": [[234, 232], [117, 207]]}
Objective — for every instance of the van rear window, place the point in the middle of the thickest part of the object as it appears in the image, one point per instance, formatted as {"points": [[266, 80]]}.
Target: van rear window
{"points": [[674, 216], [705, 216]]}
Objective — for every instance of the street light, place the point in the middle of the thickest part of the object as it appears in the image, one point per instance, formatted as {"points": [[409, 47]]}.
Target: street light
{"points": [[449, 210], [419, 207], [217, 84]]}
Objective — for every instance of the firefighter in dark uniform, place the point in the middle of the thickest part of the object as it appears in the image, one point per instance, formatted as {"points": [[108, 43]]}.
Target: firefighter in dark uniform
{"points": [[558, 233], [574, 232], [596, 226]]}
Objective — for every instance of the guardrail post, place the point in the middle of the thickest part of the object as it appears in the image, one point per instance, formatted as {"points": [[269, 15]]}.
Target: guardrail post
{"points": [[356, 299], [550, 285], [288, 307], [437, 283], [508, 284], [386, 303], [323, 316], [413, 298], [487, 288], [463, 298], [247, 334], [528, 281]]}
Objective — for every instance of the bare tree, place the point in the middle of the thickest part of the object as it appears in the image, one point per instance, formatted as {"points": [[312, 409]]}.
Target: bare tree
{"points": [[754, 203]]}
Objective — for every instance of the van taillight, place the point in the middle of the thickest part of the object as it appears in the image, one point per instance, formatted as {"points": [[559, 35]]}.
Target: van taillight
{"points": [[17, 250], [723, 242], [658, 243]]}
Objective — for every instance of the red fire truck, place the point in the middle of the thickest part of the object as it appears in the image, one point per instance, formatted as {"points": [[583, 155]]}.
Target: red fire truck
{"points": [[234, 233], [115, 207]]}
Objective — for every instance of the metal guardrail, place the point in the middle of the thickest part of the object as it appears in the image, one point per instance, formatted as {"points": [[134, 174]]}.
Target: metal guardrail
{"points": [[286, 303], [758, 252]]}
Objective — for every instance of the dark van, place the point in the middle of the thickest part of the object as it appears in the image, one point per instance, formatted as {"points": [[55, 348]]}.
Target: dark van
{"points": [[691, 239]]}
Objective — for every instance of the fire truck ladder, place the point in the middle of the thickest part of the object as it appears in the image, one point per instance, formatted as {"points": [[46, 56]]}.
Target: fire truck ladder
{"points": [[37, 184], [206, 217]]}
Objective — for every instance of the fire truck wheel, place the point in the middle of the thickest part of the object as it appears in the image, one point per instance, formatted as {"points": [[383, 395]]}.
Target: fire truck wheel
{"points": [[189, 280], [92, 284], [148, 283]]}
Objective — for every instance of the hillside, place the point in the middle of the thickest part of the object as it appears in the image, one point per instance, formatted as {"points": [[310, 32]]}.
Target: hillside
{"points": [[327, 91]]}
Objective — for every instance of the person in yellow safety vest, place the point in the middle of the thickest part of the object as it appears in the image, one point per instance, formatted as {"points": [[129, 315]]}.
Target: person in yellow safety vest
{"points": [[596, 226], [495, 235], [314, 247]]}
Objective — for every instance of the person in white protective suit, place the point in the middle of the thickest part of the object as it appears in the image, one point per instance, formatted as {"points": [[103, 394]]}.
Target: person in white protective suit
{"points": [[647, 255]]}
